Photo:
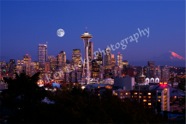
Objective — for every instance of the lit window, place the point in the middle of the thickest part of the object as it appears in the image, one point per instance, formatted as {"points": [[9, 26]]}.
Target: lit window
{"points": [[149, 93], [126, 93], [144, 100], [115, 94], [135, 93], [149, 97], [149, 103], [165, 82]]}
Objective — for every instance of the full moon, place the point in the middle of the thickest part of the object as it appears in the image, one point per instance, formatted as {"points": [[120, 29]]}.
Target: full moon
{"points": [[60, 32]]}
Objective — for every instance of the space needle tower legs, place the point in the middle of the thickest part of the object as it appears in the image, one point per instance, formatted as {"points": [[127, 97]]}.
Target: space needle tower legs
{"points": [[86, 39]]}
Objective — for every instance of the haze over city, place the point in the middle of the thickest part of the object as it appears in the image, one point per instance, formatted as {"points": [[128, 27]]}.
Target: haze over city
{"points": [[24, 25]]}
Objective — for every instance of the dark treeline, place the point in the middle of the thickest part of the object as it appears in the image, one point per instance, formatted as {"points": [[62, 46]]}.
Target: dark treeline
{"points": [[21, 103]]}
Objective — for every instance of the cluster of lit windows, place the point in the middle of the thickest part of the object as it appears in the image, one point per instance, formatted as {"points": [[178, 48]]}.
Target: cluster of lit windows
{"points": [[149, 104]]}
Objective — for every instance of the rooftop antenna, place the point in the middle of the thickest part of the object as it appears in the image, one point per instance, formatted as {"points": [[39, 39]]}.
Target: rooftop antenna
{"points": [[86, 29]]}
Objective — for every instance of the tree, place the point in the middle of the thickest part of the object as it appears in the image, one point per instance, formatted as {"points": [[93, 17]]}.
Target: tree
{"points": [[22, 95]]}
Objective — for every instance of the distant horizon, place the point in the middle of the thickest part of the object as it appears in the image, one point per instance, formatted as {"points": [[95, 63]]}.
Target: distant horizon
{"points": [[176, 63]]}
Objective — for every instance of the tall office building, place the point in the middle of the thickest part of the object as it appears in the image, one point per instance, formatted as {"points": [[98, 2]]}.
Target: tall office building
{"points": [[95, 69], [42, 55], [120, 60], [27, 64], [53, 62], [99, 58], [107, 58], [61, 60], [11, 66], [151, 69], [158, 72], [113, 60], [34, 67], [76, 58], [165, 74], [19, 66]]}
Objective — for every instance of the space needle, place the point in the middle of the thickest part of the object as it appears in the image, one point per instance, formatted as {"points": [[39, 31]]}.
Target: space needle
{"points": [[86, 39]]}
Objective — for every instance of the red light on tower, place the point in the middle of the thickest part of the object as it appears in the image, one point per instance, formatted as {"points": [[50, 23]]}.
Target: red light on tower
{"points": [[163, 84]]}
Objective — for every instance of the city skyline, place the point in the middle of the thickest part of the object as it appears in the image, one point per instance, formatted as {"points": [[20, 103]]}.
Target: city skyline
{"points": [[27, 24]]}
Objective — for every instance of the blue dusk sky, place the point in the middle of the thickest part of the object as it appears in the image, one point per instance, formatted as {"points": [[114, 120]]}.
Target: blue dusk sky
{"points": [[24, 25]]}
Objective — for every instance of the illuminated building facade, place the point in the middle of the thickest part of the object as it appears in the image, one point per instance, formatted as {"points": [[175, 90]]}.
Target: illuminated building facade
{"points": [[76, 58], [34, 67], [120, 60], [19, 66], [107, 58], [99, 58], [42, 55], [95, 69], [165, 73], [163, 96], [113, 60], [53, 62], [11, 67], [61, 60], [150, 69], [147, 98], [27, 64]]}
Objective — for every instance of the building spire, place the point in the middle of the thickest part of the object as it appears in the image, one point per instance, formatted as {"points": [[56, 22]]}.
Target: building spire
{"points": [[86, 29]]}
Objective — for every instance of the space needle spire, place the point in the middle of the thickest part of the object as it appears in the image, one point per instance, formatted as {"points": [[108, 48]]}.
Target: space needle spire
{"points": [[86, 39]]}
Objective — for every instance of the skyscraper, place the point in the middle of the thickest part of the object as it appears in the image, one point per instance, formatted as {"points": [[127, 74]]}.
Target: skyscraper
{"points": [[107, 58], [53, 62], [27, 64], [151, 69], [120, 60], [165, 74], [19, 66], [99, 58], [11, 66], [76, 58], [61, 60], [42, 55]]}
